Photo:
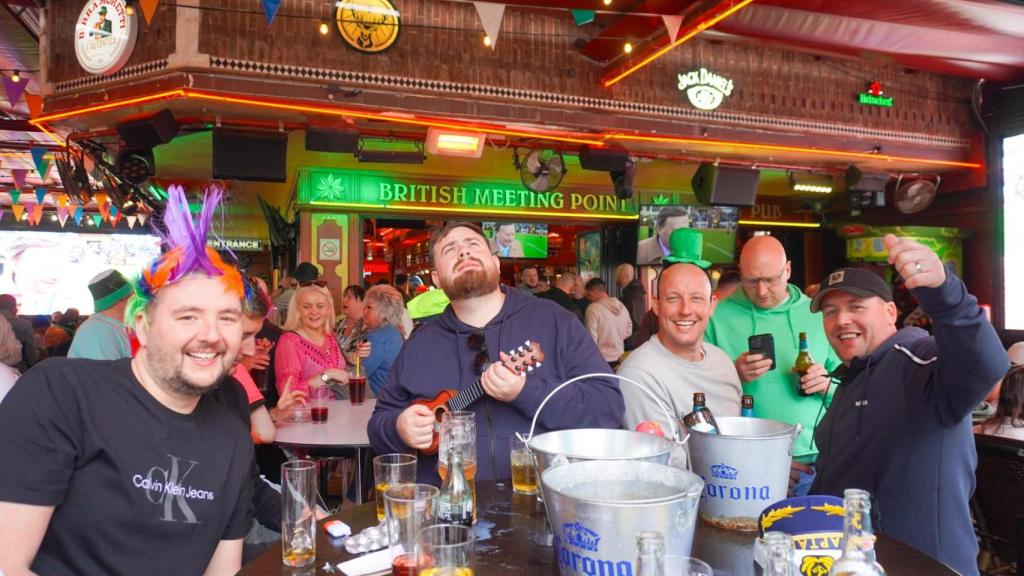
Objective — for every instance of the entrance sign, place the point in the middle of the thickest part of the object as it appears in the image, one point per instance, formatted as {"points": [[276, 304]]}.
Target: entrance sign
{"points": [[105, 36], [705, 89]]}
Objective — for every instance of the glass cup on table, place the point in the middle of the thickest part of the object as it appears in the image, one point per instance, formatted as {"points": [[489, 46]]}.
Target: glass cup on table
{"points": [[389, 469], [458, 432], [445, 550], [686, 566], [524, 473], [407, 509], [298, 512]]}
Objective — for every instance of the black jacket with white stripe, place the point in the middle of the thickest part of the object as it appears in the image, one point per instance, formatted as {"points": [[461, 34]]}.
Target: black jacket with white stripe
{"points": [[899, 426]]}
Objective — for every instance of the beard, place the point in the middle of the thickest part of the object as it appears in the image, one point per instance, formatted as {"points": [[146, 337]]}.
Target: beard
{"points": [[471, 283], [166, 368]]}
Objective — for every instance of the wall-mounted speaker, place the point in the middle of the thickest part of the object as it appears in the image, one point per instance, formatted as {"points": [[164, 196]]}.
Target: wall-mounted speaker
{"points": [[148, 131], [857, 179], [603, 159], [725, 185], [252, 155], [331, 140], [622, 180]]}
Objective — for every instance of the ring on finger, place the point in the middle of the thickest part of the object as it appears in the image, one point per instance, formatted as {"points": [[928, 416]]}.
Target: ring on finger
{"points": [[917, 267]]}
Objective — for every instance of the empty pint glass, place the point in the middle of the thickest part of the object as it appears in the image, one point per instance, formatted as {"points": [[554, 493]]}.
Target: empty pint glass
{"points": [[298, 512]]}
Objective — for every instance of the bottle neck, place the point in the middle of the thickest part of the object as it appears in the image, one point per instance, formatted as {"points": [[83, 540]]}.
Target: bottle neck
{"points": [[858, 537], [650, 554], [803, 345], [778, 554]]}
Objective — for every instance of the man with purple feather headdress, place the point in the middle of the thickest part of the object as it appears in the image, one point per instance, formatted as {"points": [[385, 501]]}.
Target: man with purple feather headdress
{"points": [[128, 466]]}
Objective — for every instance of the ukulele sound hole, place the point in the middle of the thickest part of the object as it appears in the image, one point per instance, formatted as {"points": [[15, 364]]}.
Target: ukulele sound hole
{"points": [[439, 413]]}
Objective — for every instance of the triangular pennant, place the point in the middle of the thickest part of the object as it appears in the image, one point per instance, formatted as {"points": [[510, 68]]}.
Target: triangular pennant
{"points": [[14, 89], [41, 193], [37, 214], [62, 200], [62, 215], [19, 211], [19, 175], [148, 9], [15, 196], [490, 16], [100, 198], [1, 213], [41, 161], [113, 215], [131, 221], [115, 220], [583, 16], [78, 215], [270, 9], [142, 219], [30, 209], [105, 210], [97, 219], [35, 104], [672, 24]]}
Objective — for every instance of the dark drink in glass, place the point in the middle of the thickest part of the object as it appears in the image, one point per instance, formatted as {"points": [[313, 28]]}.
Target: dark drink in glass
{"points": [[357, 389], [404, 565], [318, 414]]}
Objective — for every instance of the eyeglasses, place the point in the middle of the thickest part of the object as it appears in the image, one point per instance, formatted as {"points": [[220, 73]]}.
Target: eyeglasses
{"points": [[769, 281], [478, 343], [320, 283]]}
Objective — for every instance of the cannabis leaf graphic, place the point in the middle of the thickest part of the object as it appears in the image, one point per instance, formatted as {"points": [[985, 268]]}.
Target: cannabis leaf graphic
{"points": [[661, 200], [330, 188]]}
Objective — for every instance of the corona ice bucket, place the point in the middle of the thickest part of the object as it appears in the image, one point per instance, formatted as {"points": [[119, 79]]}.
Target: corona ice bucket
{"points": [[745, 468], [596, 508]]}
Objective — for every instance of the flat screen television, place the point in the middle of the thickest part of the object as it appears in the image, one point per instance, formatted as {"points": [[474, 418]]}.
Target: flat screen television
{"points": [[716, 223], [50, 271], [1013, 232], [517, 239]]}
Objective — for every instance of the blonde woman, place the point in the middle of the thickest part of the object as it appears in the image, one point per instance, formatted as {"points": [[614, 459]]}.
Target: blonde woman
{"points": [[383, 311], [307, 352]]}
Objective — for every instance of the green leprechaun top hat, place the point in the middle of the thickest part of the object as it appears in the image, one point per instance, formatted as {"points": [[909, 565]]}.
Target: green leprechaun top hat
{"points": [[108, 288], [686, 246]]}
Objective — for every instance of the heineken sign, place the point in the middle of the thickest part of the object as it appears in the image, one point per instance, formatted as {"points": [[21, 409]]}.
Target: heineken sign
{"points": [[705, 89], [372, 191], [874, 96]]}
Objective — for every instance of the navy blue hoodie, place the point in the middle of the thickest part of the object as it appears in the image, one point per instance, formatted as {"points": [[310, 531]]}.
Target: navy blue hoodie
{"points": [[437, 357], [899, 426]]}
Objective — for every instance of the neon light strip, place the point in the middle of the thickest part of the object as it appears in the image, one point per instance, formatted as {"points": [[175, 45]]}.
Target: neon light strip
{"points": [[680, 40], [783, 224], [779, 148], [107, 106], [479, 211]]}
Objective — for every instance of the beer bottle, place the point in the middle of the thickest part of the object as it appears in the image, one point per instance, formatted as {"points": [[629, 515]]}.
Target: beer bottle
{"points": [[701, 419], [455, 501], [858, 557], [650, 554], [803, 363], [778, 553], [747, 410]]}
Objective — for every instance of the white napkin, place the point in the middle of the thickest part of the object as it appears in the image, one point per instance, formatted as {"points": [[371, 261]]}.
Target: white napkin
{"points": [[378, 562]]}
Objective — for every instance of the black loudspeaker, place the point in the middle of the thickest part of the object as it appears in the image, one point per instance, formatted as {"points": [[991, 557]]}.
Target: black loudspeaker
{"points": [[603, 159], [159, 128], [135, 165], [328, 140], [725, 185], [857, 179], [622, 180], [250, 155]]}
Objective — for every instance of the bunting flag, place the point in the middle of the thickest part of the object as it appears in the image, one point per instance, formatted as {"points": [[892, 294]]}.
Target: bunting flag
{"points": [[672, 24], [35, 104], [100, 198], [78, 215], [30, 209], [41, 193], [114, 216], [62, 200], [14, 89], [19, 175], [270, 9], [115, 220], [15, 196], [131, 221], [105, 210], [18, 210], [62, 215], [142, 219], [41, 161], [490, 16], [148, 9], [36, 214], [583, 16], [97, 219]]}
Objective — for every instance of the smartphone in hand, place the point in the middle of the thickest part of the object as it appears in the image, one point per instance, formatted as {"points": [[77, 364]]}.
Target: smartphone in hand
{"points": [[763, 344]]}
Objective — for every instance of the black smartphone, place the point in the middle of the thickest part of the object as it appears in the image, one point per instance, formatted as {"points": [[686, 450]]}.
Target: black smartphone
{"points": [[763, 344]]}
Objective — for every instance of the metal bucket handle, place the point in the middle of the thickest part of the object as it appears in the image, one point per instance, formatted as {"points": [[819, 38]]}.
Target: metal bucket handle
{"points": [[672, 421]]}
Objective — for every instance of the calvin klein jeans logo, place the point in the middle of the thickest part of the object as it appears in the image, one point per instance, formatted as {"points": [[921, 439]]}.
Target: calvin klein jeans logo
{"points": [[167, 487]]}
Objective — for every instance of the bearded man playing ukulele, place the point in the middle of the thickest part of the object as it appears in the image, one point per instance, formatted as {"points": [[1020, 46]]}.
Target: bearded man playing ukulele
{"points": [[469, 342]]}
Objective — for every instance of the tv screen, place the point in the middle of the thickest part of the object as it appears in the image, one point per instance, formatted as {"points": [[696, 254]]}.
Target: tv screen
{"points": [[517, 239], [50, 271], [1013, 233], [716, 223]]}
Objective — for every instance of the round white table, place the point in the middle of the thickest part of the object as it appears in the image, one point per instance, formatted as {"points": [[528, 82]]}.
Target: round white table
{"points": [[345, 429]]}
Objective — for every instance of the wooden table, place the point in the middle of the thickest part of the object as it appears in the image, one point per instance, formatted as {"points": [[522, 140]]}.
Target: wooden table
{"points": [[513, 539], [345, 429]]}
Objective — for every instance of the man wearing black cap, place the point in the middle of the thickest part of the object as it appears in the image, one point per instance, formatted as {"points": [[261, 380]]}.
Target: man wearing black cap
{"points": [[103, 335], [899, 425]]}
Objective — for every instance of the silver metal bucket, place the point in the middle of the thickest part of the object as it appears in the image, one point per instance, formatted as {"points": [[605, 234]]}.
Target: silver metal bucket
{"points": [[596, 509], [745, 468]]}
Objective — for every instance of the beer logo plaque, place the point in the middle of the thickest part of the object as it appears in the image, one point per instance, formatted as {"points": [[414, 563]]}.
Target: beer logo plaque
{"points": [[105, 36], [369, 26], [704, 89]]}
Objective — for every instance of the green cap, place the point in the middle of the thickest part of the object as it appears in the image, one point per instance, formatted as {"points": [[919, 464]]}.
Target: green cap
{"points": [[108, 288], [686, 246]]}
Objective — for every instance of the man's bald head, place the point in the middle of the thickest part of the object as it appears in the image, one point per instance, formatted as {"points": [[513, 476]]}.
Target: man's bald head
{"points": [[765, 271], [565, 282]]}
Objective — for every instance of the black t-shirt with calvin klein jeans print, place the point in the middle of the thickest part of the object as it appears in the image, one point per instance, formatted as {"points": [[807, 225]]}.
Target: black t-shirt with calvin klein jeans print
{"points": [[137, 488]]}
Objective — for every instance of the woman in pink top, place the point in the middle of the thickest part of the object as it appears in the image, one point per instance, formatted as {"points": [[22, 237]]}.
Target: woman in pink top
{"points": [[307, 352]]}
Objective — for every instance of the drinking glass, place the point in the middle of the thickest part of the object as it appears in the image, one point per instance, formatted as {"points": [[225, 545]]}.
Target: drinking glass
{"points": [[298, 512], [407, 507], [445, 550], [391, 469], [524, 474], [686, 566]]}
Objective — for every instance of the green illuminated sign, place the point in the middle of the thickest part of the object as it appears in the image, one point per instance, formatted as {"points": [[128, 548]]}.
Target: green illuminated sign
{"points": [[872, 100], [370, 191]]}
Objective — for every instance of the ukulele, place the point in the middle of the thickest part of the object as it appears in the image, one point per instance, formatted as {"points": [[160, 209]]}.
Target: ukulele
{"points": [[521, 361]]}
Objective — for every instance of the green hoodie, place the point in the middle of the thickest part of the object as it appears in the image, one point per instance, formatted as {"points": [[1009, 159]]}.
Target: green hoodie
{"points": [[736, 318]]}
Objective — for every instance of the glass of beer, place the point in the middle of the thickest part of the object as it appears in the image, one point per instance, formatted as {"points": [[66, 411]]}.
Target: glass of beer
{"points": [[391, 469], [445, 550], [458, 432], [407, 508], [298, 512], [524, 473]]}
